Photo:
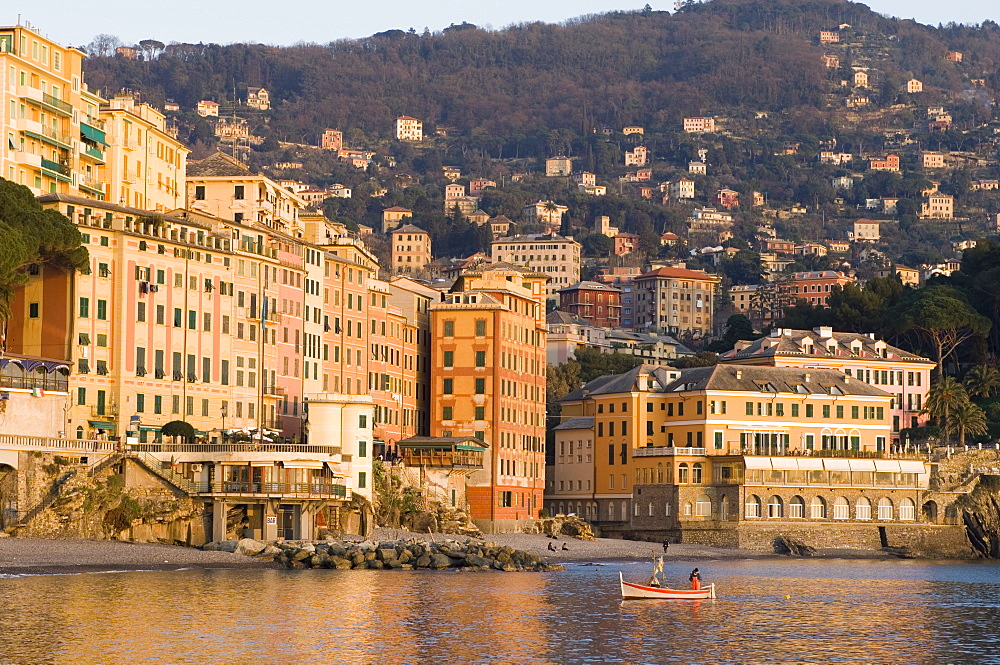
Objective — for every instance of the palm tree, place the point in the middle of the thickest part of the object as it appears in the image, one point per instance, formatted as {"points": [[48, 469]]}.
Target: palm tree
{"points": [[944, 398], [970, 419], [982, 380]]}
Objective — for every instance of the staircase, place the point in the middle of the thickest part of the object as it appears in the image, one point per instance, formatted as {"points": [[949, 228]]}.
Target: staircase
{"points": [[169, 475], [54, 492]]}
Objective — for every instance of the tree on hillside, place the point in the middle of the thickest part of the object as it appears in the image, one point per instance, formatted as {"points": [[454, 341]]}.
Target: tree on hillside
{"points": [[969, 419], [940, 316], [598, 244], [981, 381], [738, 327]]}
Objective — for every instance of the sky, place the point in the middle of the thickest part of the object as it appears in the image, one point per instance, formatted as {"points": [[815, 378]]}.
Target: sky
{"points": [[322, 21]]}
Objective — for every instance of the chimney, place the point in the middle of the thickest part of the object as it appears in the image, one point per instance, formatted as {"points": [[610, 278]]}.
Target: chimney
{"points": [[739, 374], [824, 331], [808, 376], [777, 332]]}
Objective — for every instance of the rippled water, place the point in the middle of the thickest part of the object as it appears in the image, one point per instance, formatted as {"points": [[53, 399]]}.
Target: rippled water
{"points": [[838, 611]]}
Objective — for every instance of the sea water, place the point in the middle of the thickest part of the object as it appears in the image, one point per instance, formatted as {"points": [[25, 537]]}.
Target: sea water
{"points": [[768, 611]]}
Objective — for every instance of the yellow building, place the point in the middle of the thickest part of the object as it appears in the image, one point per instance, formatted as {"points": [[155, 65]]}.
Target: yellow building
{"points": [[226, 188], [733, 455], [410, 250], [409, 129], [53, 141], [488, 382], [146, 165], [677, 301]]}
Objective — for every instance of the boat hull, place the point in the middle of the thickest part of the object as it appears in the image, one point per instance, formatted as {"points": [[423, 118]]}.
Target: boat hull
{"points": [[632, 591]]}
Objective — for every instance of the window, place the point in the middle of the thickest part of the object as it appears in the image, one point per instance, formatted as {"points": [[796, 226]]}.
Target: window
{"points": [[480, 327], [480, 386], [854, 412], [84, 308], [81, 396], [826, 410], [718, 440], [362, 449], [841, 509], [33, 310], [224, 373], [796, 507], [362, 480], [863, 509], [449, 328], [775, 507], [682, 473], [449, 387], [749, 406], [449, 358], [885, 508], [102, 310], [906, 509], [238, 192], [140, 314], [702, 506], [480, 359], [840, 412], [817, 510], [161, 313], [795, 410], [753, 506], [446, 413], [178, 317], [480, 413], [363, 422], [199, 192]]}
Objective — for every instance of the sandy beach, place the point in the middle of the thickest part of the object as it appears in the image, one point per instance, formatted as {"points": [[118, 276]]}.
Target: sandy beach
{"points": [[32, 556], [26, 556]]}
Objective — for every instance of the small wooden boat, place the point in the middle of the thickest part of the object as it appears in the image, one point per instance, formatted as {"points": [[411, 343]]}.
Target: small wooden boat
{"points": [[638, 591]]}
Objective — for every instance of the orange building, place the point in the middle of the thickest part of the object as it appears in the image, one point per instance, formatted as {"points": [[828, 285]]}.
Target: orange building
{"points": [[488, 382], [410, 249], [814, 287]]}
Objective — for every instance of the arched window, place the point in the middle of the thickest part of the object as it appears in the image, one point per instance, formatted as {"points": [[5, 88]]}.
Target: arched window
{"points": [[696, 473], [817, 509], [682, 473], [79, 431], [841, 509], [624, 511], [688, 509], [562, 508], [611, 511], [659, 472], [907, 510], [885, 508], [650, 508], [863, 509], [724, 508], [753, 506], [666, 508], [797, 507], [703, 506], [775, 507], [635, 509], [930, 511]]}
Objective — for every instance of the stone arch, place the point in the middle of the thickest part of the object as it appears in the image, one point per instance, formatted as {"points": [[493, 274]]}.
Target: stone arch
{"points": [[775, 507], [703, 506], [797, 507], [817, 508], [885, 508], [841, 508], [752, 506], [863, 508]]}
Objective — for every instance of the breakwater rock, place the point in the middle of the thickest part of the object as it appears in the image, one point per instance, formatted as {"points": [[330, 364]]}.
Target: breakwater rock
{"points": [[392, 555]]}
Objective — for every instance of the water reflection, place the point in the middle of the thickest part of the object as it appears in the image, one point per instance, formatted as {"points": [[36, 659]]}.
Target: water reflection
{"points": [[864, 612]]}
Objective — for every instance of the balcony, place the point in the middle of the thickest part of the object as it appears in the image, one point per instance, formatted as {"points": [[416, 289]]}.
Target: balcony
{"points": [[229, 448], [92, 184], [318, 490], [666, 451], [106, 412], [61, 171], [57, 104], [93, 153]]}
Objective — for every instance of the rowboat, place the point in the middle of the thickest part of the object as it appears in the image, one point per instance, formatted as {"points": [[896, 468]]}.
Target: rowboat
{"points": [[638, 591]]}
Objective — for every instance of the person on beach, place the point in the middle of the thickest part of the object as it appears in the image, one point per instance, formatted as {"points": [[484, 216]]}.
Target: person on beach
{"points": [[695, 579], [666, 545], [564, 548]]}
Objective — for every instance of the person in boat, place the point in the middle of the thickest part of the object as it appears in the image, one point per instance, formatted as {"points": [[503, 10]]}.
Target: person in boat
{"points": [[654, 581], [695, 579]]}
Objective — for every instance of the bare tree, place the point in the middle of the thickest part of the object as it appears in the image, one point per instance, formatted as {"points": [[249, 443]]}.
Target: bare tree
{"points": [[103, 45]]}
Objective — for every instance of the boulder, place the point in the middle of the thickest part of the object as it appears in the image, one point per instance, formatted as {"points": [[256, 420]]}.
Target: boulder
{"points": [[439, 561], [477, 561], [423, 561], [791, 546], [221, 546], [249, 547]]}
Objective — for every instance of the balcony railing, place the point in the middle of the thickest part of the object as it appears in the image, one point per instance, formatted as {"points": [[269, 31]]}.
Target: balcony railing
{"points": [[10, 442], [309, 490], [95, 153], [824, 478], [445, 459], [57, 104], [47, 382], [666, 451], [234, 448], [61, 169]]}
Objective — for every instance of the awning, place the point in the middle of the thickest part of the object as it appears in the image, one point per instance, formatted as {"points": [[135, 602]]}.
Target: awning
{"points": [[463, 446], [836, 465], [149, 428], [100, 424], [810, 464], [93, 133], [303, 464], [264, 463], [784, 464], [887, 466], [911, 466], [862, 464], [757, 462]]}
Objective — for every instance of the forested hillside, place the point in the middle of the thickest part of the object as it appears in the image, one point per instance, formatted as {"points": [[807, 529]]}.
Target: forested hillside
{"points": [[510, 87]]}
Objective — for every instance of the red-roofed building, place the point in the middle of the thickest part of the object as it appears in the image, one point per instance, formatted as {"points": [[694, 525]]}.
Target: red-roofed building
{"points": [[677, 301], [814, 287], [625, 243], [727, 198]]}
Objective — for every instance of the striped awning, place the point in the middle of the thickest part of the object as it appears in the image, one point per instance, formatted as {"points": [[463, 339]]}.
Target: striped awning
{"points": [[100, 424], [303, 464], [93, 134]]}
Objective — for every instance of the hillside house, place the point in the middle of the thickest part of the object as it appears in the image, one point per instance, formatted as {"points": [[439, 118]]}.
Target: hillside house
{"points": [[914, 86], [636, 157], [258, 98], [409, 129], [699, 125], [558, 166]]}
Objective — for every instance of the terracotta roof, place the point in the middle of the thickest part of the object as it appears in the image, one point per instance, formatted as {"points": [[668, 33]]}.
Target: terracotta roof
{"points": [[409, 228], [681, 273], [790, 343], [590, 286], [576, 422], [762, 378], [397, 209], [217, 165]]}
